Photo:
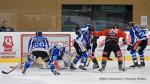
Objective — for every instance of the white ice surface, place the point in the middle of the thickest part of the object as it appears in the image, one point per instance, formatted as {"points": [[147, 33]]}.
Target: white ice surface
{"points": [[44, 76]]}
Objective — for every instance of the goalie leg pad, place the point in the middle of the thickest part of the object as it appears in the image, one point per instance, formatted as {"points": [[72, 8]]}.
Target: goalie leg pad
{"points": [[61, 64], [56, 65], [52, 67]]}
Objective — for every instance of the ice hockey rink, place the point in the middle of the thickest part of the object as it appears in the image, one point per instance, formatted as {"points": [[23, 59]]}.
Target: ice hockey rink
{"points": [[111, 75]]}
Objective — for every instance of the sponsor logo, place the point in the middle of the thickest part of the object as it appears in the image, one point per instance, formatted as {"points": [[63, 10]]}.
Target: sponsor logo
{"points": [[8, 43]]}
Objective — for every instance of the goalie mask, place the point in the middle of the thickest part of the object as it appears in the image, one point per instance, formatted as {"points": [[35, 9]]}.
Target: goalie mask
{"points": [[60, 45]]}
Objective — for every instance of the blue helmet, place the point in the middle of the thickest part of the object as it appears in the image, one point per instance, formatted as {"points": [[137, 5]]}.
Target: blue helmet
{"points": [[90, 27]]}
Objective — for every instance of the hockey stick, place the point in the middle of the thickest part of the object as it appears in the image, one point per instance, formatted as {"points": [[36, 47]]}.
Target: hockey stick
{"points": [[90, 52], [88, 63], [124, 57], [12, 69]]}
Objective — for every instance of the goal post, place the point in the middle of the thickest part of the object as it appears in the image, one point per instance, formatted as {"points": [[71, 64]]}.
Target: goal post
{"points": [[52, 38]]}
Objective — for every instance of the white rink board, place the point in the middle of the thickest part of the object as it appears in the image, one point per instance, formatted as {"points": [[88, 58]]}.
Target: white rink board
{"points": [[16, 47]]}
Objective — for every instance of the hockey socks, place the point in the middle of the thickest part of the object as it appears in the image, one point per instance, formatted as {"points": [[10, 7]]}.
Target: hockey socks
{"points": [[103, 66], [120, 66], [134, 58], [76, 59], [141, 58], [27, 64], [95, 63]]}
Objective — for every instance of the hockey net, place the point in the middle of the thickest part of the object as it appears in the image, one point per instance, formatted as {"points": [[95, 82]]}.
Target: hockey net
{"points": [[53, 40]]}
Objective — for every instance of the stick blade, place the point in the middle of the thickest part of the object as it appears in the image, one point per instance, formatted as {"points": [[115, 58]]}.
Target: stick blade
{"points": [[4, 72]]}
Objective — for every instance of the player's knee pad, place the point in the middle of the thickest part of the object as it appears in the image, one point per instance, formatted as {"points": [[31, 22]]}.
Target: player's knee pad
{"points": [[118, 54], [120, 59], [105, 54]]}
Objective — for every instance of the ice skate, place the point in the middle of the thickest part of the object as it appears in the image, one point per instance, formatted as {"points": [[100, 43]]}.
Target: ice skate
{"points": [[72, 67], [121, 68], [82, 67], [95, 66], [24, 70], [55, 72], [101, 69], [142, 64], [135, 65]]}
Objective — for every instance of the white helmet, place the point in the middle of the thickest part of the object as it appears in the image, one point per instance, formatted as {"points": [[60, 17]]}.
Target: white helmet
{"points": [[60, 45]]}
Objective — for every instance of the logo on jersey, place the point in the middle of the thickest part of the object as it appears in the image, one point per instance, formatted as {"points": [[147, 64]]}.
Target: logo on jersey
{"points": [[8, 43], [113, 33]]}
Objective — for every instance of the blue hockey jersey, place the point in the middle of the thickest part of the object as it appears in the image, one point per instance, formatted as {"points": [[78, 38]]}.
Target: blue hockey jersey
{"points": [[38, 43], [57, 52], [83, 36], [136, 33]]}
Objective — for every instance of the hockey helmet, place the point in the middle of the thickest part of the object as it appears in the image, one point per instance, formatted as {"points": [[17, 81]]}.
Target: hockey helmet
{"points": [[60, 45], [38, 33], [90, 27], [115, 26], [131, 24]]}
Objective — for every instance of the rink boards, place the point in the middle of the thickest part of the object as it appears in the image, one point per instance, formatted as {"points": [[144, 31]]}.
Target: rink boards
{"points": [[12, 48]]}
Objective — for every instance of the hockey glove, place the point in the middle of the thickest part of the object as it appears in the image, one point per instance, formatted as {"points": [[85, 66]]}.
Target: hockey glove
{"points": [[124, 41], [129, 47]]}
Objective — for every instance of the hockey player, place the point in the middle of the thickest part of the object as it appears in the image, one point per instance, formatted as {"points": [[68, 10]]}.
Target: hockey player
{"points": [[92, 46], [111, 44], [59, 55], [80, 46], [38, 47], [138, 43]]}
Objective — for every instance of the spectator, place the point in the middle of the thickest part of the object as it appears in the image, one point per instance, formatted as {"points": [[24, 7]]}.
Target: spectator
{"points": [[5, 28]]}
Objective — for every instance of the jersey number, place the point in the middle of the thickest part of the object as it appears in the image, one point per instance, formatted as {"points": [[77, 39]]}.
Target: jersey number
{"points": [[39, 44]]}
